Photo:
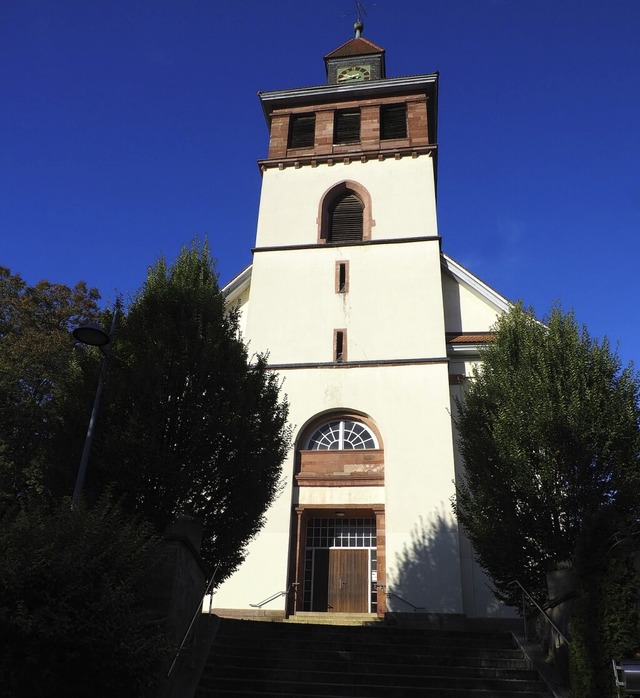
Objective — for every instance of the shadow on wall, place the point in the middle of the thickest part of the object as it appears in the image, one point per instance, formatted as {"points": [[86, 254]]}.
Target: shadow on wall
{"points": [[427, 572]]}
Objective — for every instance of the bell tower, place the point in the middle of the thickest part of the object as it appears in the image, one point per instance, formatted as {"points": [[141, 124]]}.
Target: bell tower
{"points": [[345, 293], [359, 123], [349, 179]]}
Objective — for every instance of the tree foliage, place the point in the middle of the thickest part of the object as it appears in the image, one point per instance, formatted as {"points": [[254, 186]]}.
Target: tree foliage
{"points": [[38, 369], [605, 620], [191, 423], [72, 617], [548, 431]]}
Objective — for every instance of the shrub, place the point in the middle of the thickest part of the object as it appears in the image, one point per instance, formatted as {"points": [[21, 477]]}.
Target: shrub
{"points": [[72, 583]]}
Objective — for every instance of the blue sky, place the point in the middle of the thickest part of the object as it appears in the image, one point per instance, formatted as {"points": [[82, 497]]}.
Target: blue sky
{"points": [[131, 126]]}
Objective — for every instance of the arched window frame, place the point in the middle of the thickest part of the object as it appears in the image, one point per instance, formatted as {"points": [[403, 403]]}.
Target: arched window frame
{"points": [[329, 197]]}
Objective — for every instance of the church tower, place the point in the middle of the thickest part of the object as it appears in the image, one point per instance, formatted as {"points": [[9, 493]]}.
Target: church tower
{"points": [[365, 321]]}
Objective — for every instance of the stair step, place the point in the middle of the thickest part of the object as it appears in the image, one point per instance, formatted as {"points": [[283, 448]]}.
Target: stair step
{"points": [[361, 666], [445, 693], [283, 627], [379, 635], [408, 693], [317, 678], [417, 661], [335, 619], [293, 647], [511, 659], [260, 688]]}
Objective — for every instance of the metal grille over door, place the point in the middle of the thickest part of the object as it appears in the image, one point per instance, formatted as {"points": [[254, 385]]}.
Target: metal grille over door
{"points": [[340, 565], [346, 219]]}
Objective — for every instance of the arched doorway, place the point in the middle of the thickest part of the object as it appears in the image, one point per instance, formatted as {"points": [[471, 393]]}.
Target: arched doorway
{"points": [[338, 551]]}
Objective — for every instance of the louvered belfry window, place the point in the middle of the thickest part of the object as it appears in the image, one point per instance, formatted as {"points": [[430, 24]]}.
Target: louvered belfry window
{"points": [[302, 131], [345, 219], [346, 127], [393, 121]]}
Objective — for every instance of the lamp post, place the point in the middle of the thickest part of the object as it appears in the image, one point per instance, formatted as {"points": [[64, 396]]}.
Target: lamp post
{"points": [[94, 336]]}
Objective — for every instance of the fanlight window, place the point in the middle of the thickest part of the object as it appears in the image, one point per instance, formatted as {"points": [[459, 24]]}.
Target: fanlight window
{"points": [[342, 435]]}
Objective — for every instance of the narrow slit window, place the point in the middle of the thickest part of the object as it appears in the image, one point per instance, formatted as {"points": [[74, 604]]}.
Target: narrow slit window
{"points": [[342, 277], [340, 346]]}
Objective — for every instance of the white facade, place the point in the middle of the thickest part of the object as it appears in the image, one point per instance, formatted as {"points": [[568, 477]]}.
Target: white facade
{"points": [[380, 331]]}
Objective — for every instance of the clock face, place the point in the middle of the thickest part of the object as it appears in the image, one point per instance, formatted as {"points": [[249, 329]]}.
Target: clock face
{"points": [[354, 73]]}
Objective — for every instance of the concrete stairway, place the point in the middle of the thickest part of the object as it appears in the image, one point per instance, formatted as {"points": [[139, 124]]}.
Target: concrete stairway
{"points": [[251, 658]]}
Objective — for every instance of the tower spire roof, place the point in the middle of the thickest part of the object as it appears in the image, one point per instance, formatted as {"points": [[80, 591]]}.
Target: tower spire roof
{"points": [[355, 47]]}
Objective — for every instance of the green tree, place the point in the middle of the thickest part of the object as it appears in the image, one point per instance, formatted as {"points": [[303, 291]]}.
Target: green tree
{"points": [[72, 615], [548, 430], [38, 368], [191, 424]]}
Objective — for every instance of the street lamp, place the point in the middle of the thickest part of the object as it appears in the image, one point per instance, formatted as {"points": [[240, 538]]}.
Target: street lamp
{"points": [[94, 336]]}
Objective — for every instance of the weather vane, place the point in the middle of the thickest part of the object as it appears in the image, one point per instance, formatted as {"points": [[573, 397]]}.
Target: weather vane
{"points": [[361, 11]]}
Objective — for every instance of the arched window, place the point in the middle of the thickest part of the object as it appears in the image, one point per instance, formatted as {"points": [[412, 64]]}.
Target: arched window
{"points": [[345, 218], [342, 435], [344, 214]]}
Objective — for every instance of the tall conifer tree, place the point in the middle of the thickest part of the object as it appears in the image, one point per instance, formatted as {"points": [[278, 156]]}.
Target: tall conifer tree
{"points": [[193, 425]]}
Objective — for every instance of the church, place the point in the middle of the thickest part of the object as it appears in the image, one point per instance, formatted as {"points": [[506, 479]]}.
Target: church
{"points": [[372, 329]]}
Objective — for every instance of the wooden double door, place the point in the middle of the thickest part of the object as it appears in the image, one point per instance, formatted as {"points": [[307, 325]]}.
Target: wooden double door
{"points": [[341, 580]]}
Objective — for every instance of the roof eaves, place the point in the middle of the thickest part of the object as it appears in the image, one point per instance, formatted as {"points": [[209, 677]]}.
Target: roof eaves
{"points": [[466, 277], [238, 284], [469, 337]]}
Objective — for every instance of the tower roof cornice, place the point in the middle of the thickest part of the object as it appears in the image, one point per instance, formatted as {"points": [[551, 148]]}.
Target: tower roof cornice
{"points": [[318, 94]]}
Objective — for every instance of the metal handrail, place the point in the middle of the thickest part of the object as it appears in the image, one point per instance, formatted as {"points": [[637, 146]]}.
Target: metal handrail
{"points": [[395, 596], [544, 613], [198, 611], [275, 596]]}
